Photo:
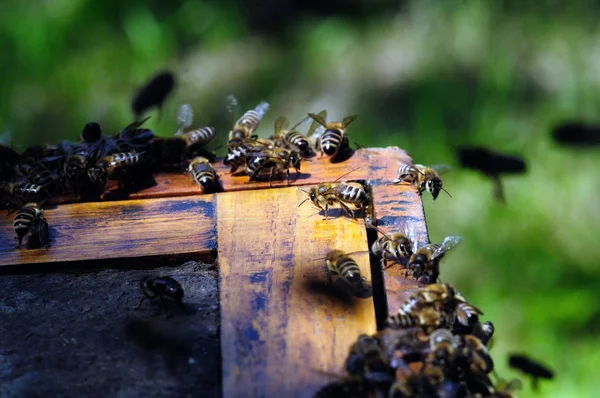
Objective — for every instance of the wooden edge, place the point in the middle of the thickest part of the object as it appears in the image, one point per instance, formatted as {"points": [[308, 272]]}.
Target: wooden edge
{"points": [[119, 230], [313, 171]]}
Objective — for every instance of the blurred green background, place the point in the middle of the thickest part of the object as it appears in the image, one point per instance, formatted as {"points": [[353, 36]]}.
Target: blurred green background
{"points": [[423, 75]]}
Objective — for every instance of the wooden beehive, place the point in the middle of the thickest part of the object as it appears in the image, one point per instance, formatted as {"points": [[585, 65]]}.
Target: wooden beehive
{"points": [[282, 333]]}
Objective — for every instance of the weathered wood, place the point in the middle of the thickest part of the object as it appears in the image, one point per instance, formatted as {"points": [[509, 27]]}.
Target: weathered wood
{"points": [[119, 229], [281, 323]]}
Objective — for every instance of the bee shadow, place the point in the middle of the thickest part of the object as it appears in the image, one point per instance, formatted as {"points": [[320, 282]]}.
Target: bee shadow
{"points": [[340, 291], [342, 156], [339, 212]]}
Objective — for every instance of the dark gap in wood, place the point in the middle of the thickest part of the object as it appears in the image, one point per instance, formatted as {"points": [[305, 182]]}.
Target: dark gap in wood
{"points": [[145, 262], [378, 286]]}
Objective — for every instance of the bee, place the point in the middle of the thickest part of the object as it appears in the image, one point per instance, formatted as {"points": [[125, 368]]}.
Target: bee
{"points": [[153, 93], [19, 194], [426, 259], [334, 140], [466, 313], [367, 359], [396, 246], [428, 318], [240, 149], [114, 167], [91, 133], [484, 331], [30, 219], [530, 367], [185, 117], [441, 354], [423, 177], [245, 126], [275, 161], [339, 263], [203, 173], [162, 287], [292, 138], [198, 137], [415, 385], [475, 352]]}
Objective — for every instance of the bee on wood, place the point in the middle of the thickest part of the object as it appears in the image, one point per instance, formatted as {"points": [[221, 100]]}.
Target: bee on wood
{"points": [[18, 194], [162, 287], [340, 263], [423, 177], [114, 167], [30, 218], [246, 125], [396, 246], [367, 359], [530, 367], [238, 151], [203, 173], [42, 173], [427, 317], [334, 140], [426, 259], [291, 138], [273, 161], [153, 93]]}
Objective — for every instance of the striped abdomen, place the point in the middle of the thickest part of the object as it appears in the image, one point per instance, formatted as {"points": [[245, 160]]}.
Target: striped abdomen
{"points": [[25, 218], [122, 159], [352, 194], [201, 136], [249, 121], [31, 193], [406, 173], [292, 138], [204, 175], [236, 157], [402, 320], [348, 269], [332, 141]]}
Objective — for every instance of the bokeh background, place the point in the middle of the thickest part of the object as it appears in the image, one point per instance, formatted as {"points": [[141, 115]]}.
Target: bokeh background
{"points": [[423, 75]]}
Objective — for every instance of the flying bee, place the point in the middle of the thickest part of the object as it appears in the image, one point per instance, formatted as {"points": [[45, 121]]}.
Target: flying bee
{"points": [[153, 94], [292, 138], [340, 263], [275, 161], [426, 259], [423, 177], [396, 246], [162, 287], [334, 140], [114, 167], [30, 219], [203, 173], [245, 126], [530, 367], [185, 117], [19, 194], [238, 151]]}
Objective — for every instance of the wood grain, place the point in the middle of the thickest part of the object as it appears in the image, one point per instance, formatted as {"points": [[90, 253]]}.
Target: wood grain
{"points": [[119, 229], [281, 323]]}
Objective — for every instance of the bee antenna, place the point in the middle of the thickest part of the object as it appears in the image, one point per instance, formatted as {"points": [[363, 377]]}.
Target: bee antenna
{"points": [[302, 202], [447, 192], [351, 171]]}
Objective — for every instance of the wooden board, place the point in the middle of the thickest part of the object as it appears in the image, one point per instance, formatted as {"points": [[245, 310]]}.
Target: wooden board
{"points": [[280, 322], [119, 229]]}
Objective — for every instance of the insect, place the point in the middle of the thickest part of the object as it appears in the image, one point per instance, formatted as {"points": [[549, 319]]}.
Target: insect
{"points": [[396, 246], [114, 167], [203, 173], [238, 151], [491, 164], [30, 219], [275, 160], [334, 140], [153, 93], [185, 117], [466, 313], [18, 194], [484, 331], [162, 287], [530, 367], [423, 177], [426, 259], [475, 353], [291, 138], [367, 359], [245, 126], [577, 134], [441, 348], [427, 317], [91, 132], [339, 263]]}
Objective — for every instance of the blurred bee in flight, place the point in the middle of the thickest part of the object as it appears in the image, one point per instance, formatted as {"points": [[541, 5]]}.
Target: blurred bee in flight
{"points": [[334, 140], [423, 177], [153, 94], [530, 367]]}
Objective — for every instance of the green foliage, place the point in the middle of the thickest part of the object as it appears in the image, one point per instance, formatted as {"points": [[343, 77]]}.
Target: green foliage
{"points": [[427, 78]]}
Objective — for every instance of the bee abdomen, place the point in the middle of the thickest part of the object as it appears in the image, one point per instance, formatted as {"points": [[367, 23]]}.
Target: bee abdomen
{"points": [[351, 194], [297, 140], [349, 269], [200, 136], [331, 141], [467, 314], [402, 320], [31, 193], [250, 119], [24, 218]]}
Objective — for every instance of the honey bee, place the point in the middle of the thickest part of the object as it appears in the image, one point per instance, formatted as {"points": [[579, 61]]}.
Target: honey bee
{"points": [[30, 219], [423, 177], [18, 194], [530, 367], [91, 133], [203, 173], [276, 161], [339, 263], [245, 126], [185, 117], [367, 359], [466, 313], [442, 349], [426, 259], [476, 353], [292, 138], [396, 246], [239, 149], [162, 287], [334, 140], [114, 167], [427, 317], [484, 331]]}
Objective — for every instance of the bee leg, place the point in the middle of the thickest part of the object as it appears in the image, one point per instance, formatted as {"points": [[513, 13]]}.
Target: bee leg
{"points": [[20, 241], [162, 301], [271, 173], [347, 209], [140, 304], [326, 212]]}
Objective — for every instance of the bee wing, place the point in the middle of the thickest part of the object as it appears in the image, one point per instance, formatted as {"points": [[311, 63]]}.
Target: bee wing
{"points": [[262, 108], [319, 119], [348, 119], [410, 233], [441, 168], [301, 122], [232, 107], [449, 243], [281, 124], [185, 116]]}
